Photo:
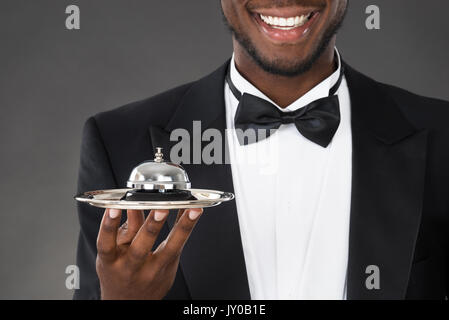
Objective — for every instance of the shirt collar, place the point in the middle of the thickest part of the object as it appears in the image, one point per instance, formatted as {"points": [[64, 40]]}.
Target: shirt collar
{"points": [[321, 90]]}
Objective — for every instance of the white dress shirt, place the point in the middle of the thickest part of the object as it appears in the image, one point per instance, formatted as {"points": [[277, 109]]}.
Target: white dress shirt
{"points": [[293, 202]]}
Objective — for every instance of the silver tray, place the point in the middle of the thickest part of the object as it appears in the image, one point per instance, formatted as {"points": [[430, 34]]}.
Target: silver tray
{"points": [[111, 199]]}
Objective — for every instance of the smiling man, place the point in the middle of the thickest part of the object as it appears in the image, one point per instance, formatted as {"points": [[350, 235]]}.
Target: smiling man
{"points": [[357, 207]]}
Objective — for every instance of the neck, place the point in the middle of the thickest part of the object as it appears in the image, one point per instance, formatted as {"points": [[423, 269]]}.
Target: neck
{"points": [[281, 89]]}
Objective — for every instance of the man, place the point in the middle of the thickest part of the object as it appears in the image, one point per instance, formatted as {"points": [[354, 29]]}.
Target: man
{"points": [[356, 208]]}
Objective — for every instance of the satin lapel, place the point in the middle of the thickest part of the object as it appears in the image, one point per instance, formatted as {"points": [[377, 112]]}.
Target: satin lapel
{"points": [[212, 261], [389, 158]]}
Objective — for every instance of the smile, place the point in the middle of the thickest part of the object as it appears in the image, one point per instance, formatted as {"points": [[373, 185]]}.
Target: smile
{"points": [[286, 23]]}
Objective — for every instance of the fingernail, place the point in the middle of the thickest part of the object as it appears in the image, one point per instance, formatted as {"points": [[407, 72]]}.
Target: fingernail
{"points": [[160, 215], [114, 213], [194, 213]]}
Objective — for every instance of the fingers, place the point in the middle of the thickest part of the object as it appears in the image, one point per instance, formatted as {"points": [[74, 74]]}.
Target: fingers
{"points": [[135, 220], [179, 234], [148, 231], [179, 215], [143, 242], [129, 229], [107, 236]]}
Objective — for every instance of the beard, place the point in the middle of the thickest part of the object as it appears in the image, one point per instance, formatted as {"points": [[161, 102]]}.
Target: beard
{"points": [[281, 67]]}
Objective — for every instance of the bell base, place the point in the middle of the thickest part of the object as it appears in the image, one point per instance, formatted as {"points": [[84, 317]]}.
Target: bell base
{"points": [[158, 195]]}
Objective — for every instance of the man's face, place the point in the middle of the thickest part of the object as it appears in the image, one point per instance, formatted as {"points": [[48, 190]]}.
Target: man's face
{"points": [[284, 37]]}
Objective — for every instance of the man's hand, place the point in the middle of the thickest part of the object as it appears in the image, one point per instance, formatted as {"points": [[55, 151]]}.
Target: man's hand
{"points": [[126, 266]]}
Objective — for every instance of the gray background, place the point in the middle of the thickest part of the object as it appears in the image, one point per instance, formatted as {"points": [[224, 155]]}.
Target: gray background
{"points": [[52, 79]]}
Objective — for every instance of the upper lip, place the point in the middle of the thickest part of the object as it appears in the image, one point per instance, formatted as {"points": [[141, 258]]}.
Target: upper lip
{"points": [[285, 12]]}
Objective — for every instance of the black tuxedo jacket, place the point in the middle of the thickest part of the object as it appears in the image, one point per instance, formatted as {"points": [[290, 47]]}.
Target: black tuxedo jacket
{"points": [[400, 190]]}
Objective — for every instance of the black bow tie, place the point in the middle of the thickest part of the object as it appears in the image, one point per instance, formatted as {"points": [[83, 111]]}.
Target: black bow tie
{"points": [[318, 121]]}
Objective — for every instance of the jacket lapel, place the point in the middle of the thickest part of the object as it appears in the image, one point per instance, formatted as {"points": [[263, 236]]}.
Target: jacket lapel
{"points": [[212, 261], [389, 158]]}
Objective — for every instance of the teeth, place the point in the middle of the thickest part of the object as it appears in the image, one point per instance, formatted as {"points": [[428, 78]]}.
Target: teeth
{"points": [[286, 23]]}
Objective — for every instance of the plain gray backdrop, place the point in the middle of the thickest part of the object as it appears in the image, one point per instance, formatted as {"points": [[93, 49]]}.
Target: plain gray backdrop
{"points": [[52, 79]]}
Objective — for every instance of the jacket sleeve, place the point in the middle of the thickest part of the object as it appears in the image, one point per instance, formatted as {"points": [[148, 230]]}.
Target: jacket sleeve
{"points": [[95, 172]]}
